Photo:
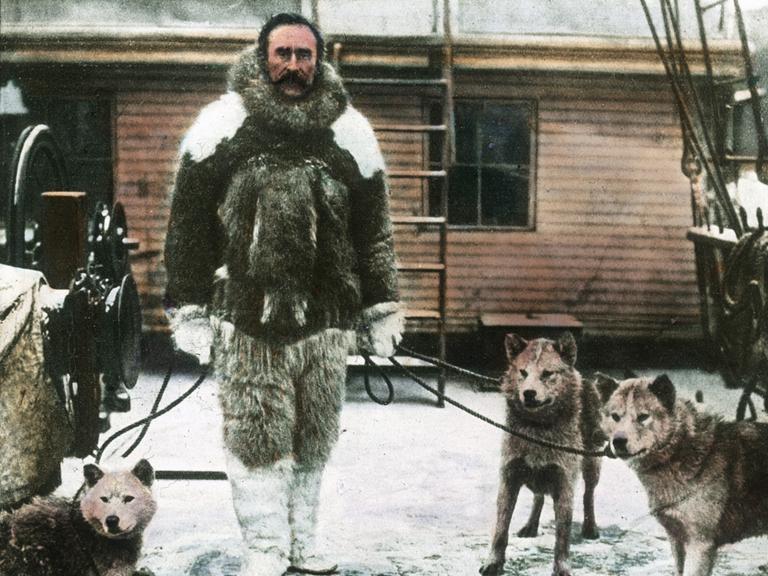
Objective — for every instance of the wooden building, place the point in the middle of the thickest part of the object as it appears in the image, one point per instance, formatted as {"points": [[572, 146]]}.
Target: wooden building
{"points": [[565, 196]]}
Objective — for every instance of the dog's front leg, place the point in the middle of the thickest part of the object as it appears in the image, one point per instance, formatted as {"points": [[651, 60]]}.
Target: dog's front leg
{"points": [[563, 498], [509, 488], [591, 473], [531, 528], [699, 558]]}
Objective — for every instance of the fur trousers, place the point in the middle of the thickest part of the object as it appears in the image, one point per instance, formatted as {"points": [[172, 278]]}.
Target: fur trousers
{"points": [[281, 408]]}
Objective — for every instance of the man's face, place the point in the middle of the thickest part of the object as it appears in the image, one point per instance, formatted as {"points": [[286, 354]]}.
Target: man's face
{"points": [[292, 59]]}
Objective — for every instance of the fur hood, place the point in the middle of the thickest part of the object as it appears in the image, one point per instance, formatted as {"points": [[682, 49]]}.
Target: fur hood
{"points": [[322, 106]]}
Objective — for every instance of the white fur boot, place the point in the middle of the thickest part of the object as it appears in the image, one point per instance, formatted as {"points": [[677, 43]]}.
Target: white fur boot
{"points": [[303, 503], [260, 498]]}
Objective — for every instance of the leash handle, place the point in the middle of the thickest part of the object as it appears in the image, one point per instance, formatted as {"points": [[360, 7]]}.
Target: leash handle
{"points": [[366, 375]]}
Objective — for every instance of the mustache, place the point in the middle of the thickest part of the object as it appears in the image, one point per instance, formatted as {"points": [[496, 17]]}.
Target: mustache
{"points": [[293, 77]]}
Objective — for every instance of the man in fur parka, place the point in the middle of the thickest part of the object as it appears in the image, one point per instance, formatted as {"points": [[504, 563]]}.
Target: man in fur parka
{"points": [[280, 235]]}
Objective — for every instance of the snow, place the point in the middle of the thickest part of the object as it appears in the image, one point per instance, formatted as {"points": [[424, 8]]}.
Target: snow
{"points": [[410, 490]]}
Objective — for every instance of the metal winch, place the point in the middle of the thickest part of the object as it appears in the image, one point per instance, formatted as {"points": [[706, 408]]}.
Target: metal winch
{"points": [[93, 330]]}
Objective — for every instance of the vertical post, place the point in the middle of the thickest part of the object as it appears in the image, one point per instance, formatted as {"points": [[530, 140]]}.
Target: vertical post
{"points": [[62, 236], [64, 252], [447, 159]]}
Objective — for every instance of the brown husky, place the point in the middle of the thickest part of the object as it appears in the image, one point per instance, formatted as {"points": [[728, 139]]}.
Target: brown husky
{"points": [[707, 480], [546, 399]]}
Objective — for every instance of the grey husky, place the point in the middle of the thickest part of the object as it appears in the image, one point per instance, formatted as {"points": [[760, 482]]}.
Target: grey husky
{"points": [[547, 399], [706, 479]]}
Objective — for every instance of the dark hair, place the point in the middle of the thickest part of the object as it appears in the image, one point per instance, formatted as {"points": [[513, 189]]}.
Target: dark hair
{"points": [[288, 19]]}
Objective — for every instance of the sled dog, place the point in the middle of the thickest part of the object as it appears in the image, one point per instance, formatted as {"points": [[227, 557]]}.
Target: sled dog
{"points": [[99, 534], [547, 399], [706, 479]]}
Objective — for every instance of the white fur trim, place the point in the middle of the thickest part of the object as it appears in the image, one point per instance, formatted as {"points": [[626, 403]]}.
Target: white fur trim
{"points": [[304, 499], [383, 326], [353, 133], [217, 121], [260, 499], [377, 311], [192, 332]]}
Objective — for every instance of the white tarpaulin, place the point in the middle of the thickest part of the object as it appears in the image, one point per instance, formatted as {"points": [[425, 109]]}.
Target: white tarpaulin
{"points": [[34, 430]]}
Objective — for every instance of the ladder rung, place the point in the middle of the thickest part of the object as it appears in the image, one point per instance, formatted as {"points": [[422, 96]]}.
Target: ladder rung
{"points": [[409, 127], [397, 81], [417, 173], [422, 314], [421, 266], [436, 220]]}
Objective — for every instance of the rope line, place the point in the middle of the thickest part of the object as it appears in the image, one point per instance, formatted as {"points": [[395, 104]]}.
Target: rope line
{"points": [[453, 367], [168, 408], [483, 418], [152, 411], [366, 377]]}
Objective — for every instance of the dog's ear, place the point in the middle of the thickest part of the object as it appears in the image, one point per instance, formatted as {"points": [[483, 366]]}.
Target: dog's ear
{"points": [[144, 472], [514, 344], [605, 386], [664, 390], [566, 347], [92, 474]]}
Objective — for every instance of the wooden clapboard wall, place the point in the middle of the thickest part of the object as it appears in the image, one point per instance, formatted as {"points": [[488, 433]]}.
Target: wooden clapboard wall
{"points": [[149, 125], [611, 205], [612, 210]]}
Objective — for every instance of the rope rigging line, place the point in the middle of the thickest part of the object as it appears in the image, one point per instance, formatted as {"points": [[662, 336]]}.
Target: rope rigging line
{"points": [[712, 168]]}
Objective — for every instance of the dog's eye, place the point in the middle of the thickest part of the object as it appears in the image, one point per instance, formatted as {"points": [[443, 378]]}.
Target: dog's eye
{"points": [[643, 417], [524, 373], [127, 499], [546, 374], [615, 417], [104, 499]]}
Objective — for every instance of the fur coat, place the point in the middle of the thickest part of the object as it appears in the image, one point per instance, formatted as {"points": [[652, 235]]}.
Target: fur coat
{"points": [[285, 202]]}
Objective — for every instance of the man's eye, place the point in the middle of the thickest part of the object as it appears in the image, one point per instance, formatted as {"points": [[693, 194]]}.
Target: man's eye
{"points": [[615, 417], [303, 55]]}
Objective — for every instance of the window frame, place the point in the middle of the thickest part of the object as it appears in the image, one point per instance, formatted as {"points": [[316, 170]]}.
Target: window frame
{"points": [[530, 226]]}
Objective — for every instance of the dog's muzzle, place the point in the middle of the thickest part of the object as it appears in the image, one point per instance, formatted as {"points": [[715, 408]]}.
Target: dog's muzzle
{"points": [[531, 402], [618, 447]]}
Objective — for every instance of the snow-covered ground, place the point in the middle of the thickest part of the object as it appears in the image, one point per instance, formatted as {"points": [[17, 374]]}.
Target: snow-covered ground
{"points": [[410, 490]]}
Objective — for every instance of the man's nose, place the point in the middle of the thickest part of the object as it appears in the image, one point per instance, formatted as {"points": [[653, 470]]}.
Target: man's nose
{"points": [[293, 62]]}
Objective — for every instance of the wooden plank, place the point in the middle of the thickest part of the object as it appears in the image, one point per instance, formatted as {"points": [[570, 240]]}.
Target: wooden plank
{"points": [[713, 237], [529, 320]]}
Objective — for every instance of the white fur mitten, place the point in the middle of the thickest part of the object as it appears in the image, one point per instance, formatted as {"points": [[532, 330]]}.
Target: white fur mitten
{"points": [[192, 331], [381, 329]]}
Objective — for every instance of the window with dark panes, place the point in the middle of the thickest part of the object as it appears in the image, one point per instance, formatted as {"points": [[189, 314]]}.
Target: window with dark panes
{"points": [[491, 182]]}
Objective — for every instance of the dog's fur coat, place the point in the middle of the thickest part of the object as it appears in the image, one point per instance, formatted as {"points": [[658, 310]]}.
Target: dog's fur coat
{"points": [[546, 399], [101, 534], [706, 479]]}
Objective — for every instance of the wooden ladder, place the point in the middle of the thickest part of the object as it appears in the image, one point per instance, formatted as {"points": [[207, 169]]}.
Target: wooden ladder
{"points": [[443, 84]]}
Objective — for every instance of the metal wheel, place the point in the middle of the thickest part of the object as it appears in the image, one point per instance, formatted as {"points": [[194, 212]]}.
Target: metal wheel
{"points": [[123, 327], [38, 166]]}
